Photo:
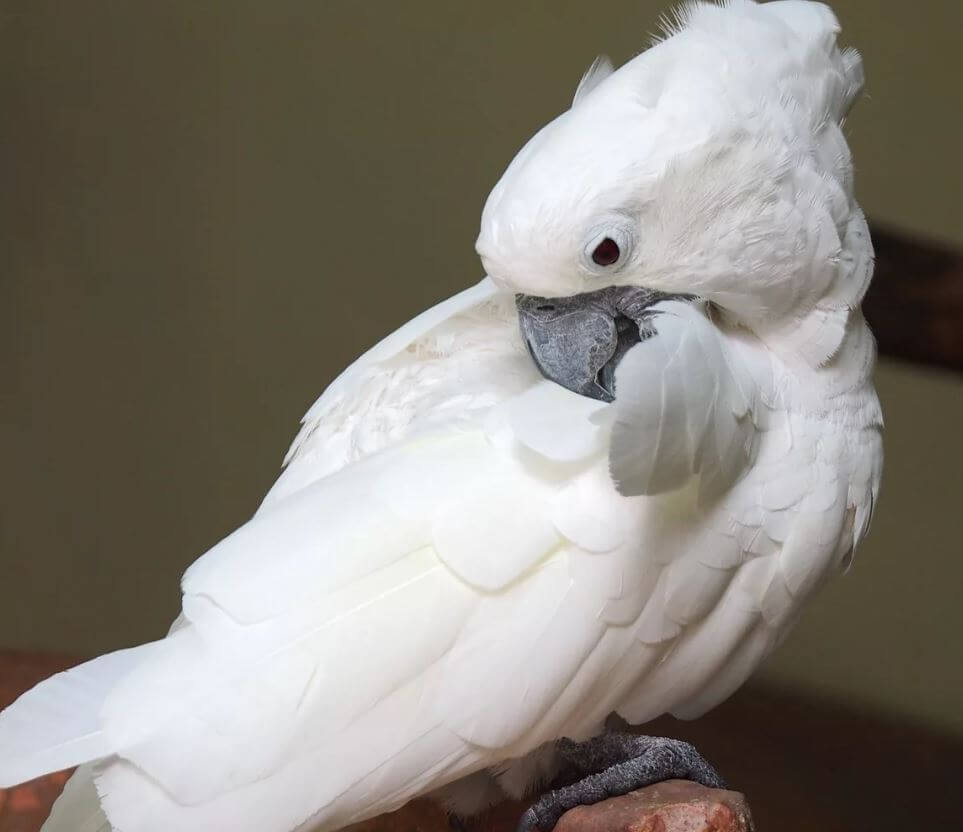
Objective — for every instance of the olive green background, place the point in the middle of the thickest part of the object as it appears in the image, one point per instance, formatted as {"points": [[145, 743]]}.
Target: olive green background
{"points": [[207, 209]]}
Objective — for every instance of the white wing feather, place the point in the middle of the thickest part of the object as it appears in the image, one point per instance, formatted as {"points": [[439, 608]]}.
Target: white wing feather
{"points": [[55, 725]]}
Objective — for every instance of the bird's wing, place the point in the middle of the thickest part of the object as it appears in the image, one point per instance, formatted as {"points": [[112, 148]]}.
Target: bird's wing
{"points": [[331, 636], [451, 601], [372, 402], [383, 629]]}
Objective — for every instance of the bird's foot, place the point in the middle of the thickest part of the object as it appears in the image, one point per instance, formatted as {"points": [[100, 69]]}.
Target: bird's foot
{"points": [[615, 764]]}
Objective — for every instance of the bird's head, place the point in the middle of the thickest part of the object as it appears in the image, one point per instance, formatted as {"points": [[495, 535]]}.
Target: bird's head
{"points": [[710, 166]]}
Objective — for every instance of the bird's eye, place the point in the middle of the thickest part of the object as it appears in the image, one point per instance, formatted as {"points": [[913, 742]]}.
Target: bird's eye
{"points": [[606, 253], [609, 245]]}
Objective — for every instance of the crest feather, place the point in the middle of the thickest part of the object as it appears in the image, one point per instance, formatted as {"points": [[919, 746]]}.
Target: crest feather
{"points": [[600, 69]]}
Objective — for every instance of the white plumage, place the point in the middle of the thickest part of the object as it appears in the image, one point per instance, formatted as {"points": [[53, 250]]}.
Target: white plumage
{"points": [[463, 561]]}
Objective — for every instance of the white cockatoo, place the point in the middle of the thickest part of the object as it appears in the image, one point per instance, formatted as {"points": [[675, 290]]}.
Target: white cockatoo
{"points": [[604, 479]]}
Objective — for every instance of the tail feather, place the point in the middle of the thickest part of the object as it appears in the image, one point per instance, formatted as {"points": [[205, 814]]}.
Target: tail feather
{"points": [[78, 807], [56, 724]]}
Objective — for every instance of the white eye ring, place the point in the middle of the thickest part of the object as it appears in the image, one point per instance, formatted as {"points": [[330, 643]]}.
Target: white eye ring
{"points": [[608, 249]]}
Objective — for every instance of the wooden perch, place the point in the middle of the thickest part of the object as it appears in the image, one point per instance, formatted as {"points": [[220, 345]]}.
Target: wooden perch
{"points": [[915, 303]]}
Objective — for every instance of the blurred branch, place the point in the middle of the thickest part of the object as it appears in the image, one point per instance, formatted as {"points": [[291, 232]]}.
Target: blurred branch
{"points": [[915, 303]]}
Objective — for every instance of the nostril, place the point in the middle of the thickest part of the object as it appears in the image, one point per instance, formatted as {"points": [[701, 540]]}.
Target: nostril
{"points": [[545, 307]]}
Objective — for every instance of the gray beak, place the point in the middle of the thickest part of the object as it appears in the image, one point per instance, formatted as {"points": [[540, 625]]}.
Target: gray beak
{"points": [[578, 341]]}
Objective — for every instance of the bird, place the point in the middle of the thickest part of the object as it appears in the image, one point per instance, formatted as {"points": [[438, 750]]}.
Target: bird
{"points": [[603, 480]]}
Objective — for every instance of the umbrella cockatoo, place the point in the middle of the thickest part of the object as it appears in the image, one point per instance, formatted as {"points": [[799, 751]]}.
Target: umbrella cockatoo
{"points": [[604, 479]]}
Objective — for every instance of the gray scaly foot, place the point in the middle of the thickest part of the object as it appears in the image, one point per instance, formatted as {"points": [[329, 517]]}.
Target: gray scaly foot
{"points": [[615, 764]]}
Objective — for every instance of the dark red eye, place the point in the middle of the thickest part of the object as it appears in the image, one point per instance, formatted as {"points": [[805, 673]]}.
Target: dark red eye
{"points": [[606, 253]]}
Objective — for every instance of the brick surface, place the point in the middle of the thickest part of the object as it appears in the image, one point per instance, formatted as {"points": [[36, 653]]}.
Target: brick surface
{"points": [[673, 806]]}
